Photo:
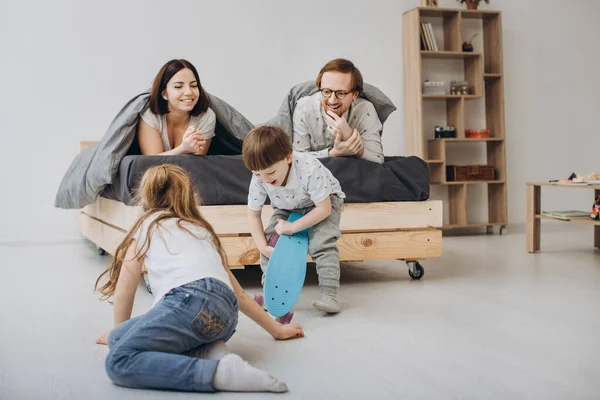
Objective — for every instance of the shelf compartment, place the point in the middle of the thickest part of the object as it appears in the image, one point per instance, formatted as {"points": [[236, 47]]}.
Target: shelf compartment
{"points": [[438, 12], [474, 225], [458, 140], [578, 220], [474, 74], [494, 107], [451, 96], [447, 54], [467, 182], [496, 156], [457, 203], [451, 27], [489, 77], [497, 210], [437, 171], [492, 43], [479, 14]]}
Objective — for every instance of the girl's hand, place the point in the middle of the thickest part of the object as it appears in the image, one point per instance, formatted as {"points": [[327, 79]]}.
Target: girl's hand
{"points": [[284, 227], [291, 331], [103, 339]]}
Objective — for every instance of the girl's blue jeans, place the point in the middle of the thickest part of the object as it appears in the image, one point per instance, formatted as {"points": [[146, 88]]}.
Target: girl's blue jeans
{"points": [[150, 351]]}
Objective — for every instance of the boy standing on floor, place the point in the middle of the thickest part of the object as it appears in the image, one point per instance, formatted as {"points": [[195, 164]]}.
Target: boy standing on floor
{"points": [[295, 182]]}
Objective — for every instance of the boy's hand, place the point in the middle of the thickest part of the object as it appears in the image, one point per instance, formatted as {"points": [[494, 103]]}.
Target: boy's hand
{"points": [[291, 331], [284, 227], [103, 339], [267, 251]]}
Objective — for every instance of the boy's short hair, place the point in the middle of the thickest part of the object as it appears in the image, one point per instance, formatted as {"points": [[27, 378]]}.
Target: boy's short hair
{"points": [[264, 146]]}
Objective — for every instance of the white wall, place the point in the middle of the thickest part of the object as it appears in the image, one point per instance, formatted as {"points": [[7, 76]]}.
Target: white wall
{"points": [[68, 66]]}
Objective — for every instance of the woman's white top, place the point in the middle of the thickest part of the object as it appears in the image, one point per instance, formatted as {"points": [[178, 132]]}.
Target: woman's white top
{"points": [[204, 122]]}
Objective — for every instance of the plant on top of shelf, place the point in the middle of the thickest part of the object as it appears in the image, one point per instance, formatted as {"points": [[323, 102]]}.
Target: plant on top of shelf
{"points": [[473, 4]]}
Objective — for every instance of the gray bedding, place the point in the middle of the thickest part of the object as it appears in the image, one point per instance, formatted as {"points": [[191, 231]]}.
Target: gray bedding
{"points": [[224, 180], [101, 165]]}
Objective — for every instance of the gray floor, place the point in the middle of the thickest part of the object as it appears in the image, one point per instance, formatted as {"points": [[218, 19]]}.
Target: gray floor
{"points": [[488, 321]]}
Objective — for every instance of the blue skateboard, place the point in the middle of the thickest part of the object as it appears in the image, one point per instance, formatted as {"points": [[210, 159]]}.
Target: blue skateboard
{"points": [[286, 271]]}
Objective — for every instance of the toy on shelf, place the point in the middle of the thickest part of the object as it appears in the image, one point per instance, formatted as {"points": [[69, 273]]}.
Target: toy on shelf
{"points": [[467, 46], [596, 209], [445, 132], [477, 133], [460, 88]]}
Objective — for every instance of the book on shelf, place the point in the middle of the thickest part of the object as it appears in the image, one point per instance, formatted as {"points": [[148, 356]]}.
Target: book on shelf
{"points": [[423, 40], [566, 215], [433, 41], [427, 37]]}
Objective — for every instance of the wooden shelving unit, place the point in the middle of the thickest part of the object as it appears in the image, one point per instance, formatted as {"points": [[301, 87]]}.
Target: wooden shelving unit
{"points": [[484, 72]]}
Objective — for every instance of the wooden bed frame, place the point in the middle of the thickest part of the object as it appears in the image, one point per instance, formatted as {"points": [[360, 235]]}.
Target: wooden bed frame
{"points": [[370, 231]]}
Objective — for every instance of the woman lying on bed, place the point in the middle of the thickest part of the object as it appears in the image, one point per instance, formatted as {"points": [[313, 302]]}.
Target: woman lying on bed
{"points": [[178, 120]]}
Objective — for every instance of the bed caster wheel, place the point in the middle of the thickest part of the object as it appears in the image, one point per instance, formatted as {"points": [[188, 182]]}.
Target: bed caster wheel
{"points": [[415, 270], [101, 251]]}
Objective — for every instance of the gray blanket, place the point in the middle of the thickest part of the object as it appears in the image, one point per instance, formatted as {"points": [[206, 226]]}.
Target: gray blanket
{"points": [[96, 167], [224, 180]]}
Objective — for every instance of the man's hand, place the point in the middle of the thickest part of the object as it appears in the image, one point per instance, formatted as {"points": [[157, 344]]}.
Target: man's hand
{"points": [[103, 339], [291, 331], [339, 124], [284, 227], [354, 146]]}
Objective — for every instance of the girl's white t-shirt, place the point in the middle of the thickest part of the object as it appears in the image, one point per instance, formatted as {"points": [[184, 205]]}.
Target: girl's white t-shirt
{"points": [[175, 257], [204, 122]]}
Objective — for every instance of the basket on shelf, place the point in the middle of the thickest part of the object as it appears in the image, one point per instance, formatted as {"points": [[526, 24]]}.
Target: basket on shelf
{"points": [[432, 87], [470, 173]]}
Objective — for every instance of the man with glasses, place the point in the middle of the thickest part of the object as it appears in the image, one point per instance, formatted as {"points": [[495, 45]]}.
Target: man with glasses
{"points": [[335, 122]]}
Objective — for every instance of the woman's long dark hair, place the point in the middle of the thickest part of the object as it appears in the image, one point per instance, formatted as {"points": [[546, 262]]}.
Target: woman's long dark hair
{"points": [[160, 106]]}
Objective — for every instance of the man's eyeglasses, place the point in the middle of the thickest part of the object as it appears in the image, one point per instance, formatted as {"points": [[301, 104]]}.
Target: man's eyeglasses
{"points": [[340, 94]]}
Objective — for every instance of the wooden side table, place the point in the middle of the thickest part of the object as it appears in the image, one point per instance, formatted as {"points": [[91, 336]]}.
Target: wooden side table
{"points": [[534, 213]]}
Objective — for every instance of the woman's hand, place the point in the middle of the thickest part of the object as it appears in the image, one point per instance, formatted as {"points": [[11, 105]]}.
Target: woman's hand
{"points": [[201, 146], [291, 331], [103, 339], [191, 141]]}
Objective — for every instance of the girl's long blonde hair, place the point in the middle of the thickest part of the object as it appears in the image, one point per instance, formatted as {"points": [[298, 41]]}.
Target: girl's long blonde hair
{"points": [[166, 189]]}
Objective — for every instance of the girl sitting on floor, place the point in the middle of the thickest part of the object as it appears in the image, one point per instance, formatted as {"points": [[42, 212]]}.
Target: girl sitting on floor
{"points": [[179, 343]]}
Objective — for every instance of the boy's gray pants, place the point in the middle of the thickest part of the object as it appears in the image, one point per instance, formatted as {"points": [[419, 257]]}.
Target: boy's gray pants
{"points": [[322, 242]]}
